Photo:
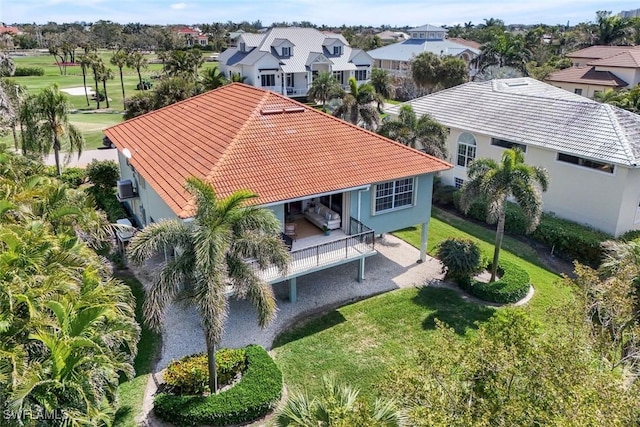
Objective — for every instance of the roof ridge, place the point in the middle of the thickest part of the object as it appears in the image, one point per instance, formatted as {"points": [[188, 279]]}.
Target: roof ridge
{"points": [[612, 110]]}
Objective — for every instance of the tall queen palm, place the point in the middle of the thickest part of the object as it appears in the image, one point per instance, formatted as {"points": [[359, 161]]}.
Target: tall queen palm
{"points": [[210, 260], [496, 183]]}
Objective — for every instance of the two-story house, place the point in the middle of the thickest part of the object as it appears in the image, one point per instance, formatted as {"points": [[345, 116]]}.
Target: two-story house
{"points": [[591, 150], [598, 68], [397, 57], [286, 60]]}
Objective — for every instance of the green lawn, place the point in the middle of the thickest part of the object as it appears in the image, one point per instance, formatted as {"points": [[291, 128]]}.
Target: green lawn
{"points": [[131, 393], [360, 341]]}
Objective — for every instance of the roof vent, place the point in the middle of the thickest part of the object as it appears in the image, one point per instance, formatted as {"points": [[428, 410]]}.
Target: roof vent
{"points": [[268, 111], [294, 110], [516, 83]]}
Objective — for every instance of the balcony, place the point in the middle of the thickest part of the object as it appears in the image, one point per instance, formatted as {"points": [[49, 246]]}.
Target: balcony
{"points": [[319, 252]]}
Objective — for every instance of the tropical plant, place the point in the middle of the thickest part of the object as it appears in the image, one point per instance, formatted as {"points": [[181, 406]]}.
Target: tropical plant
{"points": [[210, 260], [212, 78], [119, 59], [323, 87], [104, 75], [461, 258], [495, 183], [424, 133], [504, 50], [358, 105], [45, 116], [610, 29], [382, 83], [425, 70], [337, 405], [85, 64]]}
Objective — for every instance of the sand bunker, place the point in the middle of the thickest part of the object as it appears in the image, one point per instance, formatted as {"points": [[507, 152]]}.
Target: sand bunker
{"points": [[77, 90]]}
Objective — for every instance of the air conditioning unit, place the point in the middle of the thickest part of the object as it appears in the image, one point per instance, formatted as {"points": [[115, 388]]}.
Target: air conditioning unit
{"points": [[125, 189]]}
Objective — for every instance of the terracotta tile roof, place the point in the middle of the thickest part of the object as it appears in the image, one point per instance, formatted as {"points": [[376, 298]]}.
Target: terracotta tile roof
{"points": [[470, 43], [586, 75], [241, 137], [599, 52], [627, 59]]}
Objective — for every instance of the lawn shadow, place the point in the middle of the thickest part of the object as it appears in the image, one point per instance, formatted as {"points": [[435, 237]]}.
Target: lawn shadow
{"points": [[448, 307], [303, 328]]}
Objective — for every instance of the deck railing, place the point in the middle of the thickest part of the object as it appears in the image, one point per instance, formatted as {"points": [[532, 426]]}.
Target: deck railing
{"points": [[358, 242]]}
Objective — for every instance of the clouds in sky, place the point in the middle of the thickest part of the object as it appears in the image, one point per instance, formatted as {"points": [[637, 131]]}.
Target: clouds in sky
{"points": [[329, 12]]}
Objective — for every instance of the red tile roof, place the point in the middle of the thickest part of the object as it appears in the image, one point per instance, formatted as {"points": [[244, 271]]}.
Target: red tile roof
{"points": [[599, 52], [241, 137], [587, 76], [626, 59]]}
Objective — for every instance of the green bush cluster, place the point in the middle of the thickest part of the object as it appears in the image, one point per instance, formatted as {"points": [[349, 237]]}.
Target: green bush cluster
{"points": [[103, 174], [253, 397], [108, 202], [190, 375], [460, 257], [568, 238], [73, 177], [512, 286], [28, 71], [443, 195]]}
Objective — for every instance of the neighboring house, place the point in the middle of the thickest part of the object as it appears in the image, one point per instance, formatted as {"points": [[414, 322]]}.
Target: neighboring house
{"points": [[293, 156], [7, 29], [286, 60], [591, 150], [397, 57], [598, 68], [388, 37], [192, 37]]}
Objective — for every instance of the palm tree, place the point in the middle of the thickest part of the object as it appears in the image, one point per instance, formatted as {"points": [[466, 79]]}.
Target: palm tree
{"points": [[7, 66], [46, 119], [425, 133], [323, 87], [381, 82], [85, 64], [425, 70], [96, 64], [610, 29], [504, 50], [119, 59], [137, 61], [496, 183], [104, 75], [337, 405], [212, 78], [358, 106], [211, 259]]}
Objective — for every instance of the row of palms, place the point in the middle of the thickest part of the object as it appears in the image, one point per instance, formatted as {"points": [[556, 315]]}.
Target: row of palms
{"points": [[67, 329]]}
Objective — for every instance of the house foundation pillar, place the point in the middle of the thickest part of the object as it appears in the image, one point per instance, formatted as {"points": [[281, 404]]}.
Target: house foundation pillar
{"points": [[361, 270], [424, 235], [293, 290]]}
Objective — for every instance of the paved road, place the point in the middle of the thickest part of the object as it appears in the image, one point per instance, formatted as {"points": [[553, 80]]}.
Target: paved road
{"points": [[86, 157]]}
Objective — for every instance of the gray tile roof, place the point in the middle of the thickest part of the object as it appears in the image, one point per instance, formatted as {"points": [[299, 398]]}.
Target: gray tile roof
{"points": [[406, 50], [530, 112], [428, 27], [307, 42]]}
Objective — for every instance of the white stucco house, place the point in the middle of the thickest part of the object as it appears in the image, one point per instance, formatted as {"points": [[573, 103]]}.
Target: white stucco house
{"points": [[396, 57], [591, 150], [286, 60], [598, 68]]}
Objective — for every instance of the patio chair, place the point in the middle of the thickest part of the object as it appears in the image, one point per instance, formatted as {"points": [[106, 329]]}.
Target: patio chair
{"points": [[290, 229]]}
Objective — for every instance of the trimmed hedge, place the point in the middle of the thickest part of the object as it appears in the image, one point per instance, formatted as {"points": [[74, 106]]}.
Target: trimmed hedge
{"points": [[28, 71], [253, 397], [512, 286], [568, 238]]}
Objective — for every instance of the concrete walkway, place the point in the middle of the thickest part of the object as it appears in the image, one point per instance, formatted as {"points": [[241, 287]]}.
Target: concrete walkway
{"points": [[394, 267]]}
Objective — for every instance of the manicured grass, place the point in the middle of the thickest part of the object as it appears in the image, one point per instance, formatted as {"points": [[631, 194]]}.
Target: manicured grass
{"points": [[131, 392], [392, 101], [361, 341]]}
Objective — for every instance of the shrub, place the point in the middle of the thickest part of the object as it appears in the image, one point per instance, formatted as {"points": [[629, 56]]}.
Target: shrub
{"points": [[630, 236], [255, 395], [73, 177], [103, 174], [108, 202], [460, 257], [28, 71], [512, 286], [571, 239], [443, 195], [190, 375]]}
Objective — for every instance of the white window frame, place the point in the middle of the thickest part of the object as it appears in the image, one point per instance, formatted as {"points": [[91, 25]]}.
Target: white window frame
{"points": [[394, 189], [290, 80], [458, 182], [337, 50], [470, 149], [286, 51]]}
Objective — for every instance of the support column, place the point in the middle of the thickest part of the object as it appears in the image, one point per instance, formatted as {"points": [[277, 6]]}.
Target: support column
{"points": [[293, 290], [423, 241], [361, 270]]}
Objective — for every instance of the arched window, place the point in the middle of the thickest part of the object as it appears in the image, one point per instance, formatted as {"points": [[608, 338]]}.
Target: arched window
{"points": [[466, 149]]}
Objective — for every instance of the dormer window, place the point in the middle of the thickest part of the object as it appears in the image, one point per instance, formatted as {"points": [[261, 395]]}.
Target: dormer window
{"points": [[242, 47], [286, 51], [337, 50]]}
